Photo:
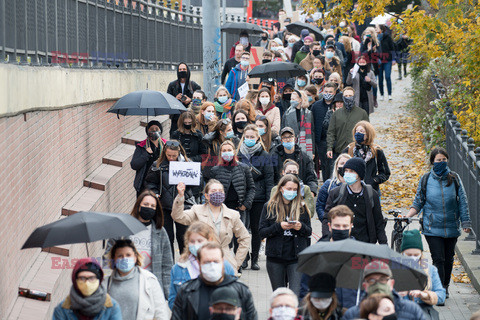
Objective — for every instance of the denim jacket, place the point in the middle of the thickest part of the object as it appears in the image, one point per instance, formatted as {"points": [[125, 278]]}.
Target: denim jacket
{"points": [[436, 286], [442, 212]]}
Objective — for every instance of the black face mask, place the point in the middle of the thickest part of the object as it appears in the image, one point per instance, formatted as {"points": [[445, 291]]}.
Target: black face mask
{"points": [[341, 171], [187, 126], [154, 135], [264, 38], [266, 61], [316, 52], [287, 96], [317, 81], [392, 316], [147, 213], [340, 234], [222, 316], [241, 124], [182, 74]]}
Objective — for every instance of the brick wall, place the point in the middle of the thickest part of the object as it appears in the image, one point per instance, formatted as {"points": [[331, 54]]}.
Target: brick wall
{"points": [[44, 161]]}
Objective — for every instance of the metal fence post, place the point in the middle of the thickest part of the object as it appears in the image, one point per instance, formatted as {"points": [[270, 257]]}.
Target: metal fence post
{"points": [[476, 199]]}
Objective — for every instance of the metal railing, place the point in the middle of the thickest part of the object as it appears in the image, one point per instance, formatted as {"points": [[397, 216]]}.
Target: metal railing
{"points": [[465, 160], [100, 33]]}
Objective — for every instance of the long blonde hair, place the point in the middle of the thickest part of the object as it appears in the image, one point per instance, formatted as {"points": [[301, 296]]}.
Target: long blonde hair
{"points": [[254, 128], [276, 207], [371, 30]]}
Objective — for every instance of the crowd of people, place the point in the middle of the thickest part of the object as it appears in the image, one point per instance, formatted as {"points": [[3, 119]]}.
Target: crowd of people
{"points": [[261, 157]]}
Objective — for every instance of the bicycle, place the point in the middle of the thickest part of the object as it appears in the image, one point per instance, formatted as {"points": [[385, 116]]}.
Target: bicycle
{"points": [[400, 224]]}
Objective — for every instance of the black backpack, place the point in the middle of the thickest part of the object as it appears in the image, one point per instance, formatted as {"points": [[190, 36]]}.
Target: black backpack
{"points": [[343, 188]]}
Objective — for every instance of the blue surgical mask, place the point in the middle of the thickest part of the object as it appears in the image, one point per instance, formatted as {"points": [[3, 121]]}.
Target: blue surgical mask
{"points": [[350, 178], [329, 54], [208, 115], [289, 194], [293, 103], [310, 98], [288, 145], [125, 264], [261, 131], [222, 99], [249, 142], [301, 83], [440, 168], [228, 156], [193, 248], [229, 135], [359, 137], [244, 63], [290, 44]]}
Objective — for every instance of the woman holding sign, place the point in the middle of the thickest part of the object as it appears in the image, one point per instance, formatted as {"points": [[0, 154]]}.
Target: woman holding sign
{"points": [[157, 180], [226, 222]]}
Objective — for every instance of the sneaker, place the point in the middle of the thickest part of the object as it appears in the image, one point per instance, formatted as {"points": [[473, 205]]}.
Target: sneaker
{"points": [[389, 97], [382, 98]]}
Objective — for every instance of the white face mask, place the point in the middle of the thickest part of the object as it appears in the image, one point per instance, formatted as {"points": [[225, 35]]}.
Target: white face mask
{"points": [[244, 41], [321, 303], [284, 313], [415, 258], [264, 101], [212, 271]]}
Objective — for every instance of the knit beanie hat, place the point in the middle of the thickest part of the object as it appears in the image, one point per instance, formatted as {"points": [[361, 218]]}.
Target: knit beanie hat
{"points": [[153, 123], [356, 164], [411, 240]]}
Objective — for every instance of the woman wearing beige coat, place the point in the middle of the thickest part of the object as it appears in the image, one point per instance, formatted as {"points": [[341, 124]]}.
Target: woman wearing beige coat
{"points": [[226, 222]]}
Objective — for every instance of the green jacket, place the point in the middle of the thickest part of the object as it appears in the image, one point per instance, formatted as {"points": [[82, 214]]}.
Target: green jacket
{"points": [[300, 56], [340, 128], [308, 196]]}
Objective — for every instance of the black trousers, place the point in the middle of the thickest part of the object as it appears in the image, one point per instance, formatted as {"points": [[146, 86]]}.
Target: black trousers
{"points": [[325, 162], [179, 232], [365, 106], [442, 250], [255, 213]]}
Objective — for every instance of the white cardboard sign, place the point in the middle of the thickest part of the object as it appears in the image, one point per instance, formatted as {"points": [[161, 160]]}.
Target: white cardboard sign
{"points": [[186, 172]]}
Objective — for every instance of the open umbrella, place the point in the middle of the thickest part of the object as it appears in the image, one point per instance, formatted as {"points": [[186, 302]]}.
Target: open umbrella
{"points": [[346, 259], [297, 27], [277, 69], [382, 19], [237, 27], [84, 227], [147, 103]]}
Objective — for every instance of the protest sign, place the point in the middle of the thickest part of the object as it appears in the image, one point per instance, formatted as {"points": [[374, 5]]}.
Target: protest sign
{"points": [[186, 172]]}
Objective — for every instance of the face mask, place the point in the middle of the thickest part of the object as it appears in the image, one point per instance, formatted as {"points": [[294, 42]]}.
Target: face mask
{"points": [[350, 178], [340, 234], [440, 168], [222, 99], [301, 83], [241, 124], [261, 131], [196, 102], [329, 54], [154, 135], [244, 63], [274, 48], [222, 316], [294, 103], [287, 96], [264, 38], [289, 194], [187, 126], [212, 272], [244, 41], [316, 52], [283, 313], [229, 135], [250, 142], [317, 81], [321, 303], [288, 145], [359, 137], [147, 213], [310, 98], [380, 288], [208, 115], [328, 96], [348, 102], [392, 316], [264, 101], [87, 288], [193, 248], [217, 198], [182, 74], [415, 258], [125, 264], [340, 171], [227, 156], [266, 61], [368, 35], [290, 44]]}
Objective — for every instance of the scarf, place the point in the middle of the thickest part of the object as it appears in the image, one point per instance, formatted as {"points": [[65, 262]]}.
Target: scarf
{"points": [[225, 108], [362, 151], [249, 151], [88, 306], [193, 267], [117, 277], [305, 139], [264, 112]]}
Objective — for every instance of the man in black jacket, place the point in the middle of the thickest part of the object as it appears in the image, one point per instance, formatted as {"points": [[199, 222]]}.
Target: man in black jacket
{"points": [[290, 150], [193, 298], [363, 200], [232, 62], [182, 89]]}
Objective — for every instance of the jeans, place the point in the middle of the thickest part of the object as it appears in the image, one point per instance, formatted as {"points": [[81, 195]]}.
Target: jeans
{"points": [[385, 68], [284, 275], [179, 228], [442, 250], [255, 213]]}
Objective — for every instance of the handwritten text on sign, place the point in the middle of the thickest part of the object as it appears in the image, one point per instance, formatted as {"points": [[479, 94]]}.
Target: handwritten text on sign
{"points": [[186, 172]]}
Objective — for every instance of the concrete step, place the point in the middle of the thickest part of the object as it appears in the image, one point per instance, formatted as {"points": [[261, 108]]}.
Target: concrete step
{"points": [[83, 200], [99, 178], [119, 156], [134, 136]]}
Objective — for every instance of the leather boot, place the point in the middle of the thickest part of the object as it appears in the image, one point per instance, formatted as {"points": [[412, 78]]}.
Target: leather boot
{"points": [[255, 265]]}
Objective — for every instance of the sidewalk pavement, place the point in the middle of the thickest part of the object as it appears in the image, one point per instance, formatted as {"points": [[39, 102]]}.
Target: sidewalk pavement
{"points": [[464, 299]]}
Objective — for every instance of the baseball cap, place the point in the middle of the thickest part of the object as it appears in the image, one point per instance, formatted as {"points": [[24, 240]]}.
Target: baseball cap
{"points": [[226, 295]]}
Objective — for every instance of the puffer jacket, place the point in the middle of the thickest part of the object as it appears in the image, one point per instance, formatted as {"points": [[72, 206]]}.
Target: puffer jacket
{"points": [[442, 213], [195, 148], [261, 167], [210, 159], [241, 177]]}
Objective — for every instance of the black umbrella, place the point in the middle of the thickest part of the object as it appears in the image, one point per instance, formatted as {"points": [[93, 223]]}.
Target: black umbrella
{"points": [[297, 27], [277, 69], [346, 259], [83, 227], [147, 103], [237, 27]]}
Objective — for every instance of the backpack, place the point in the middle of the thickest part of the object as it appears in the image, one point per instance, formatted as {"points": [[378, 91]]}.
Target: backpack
{"points": [[424, 180], [343, 188]]}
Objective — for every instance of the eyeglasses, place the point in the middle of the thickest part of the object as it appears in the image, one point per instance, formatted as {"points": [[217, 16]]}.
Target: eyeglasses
{"points": [[172, 143], [382, 280], [288, 138], [85, 279]]}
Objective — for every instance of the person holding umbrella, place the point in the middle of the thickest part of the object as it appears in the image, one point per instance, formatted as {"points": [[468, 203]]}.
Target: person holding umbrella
{"points": [[299, 44], [88, 299], [136, 289], [378, 278], [244, 41], [321, 302], [145, 153]]}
